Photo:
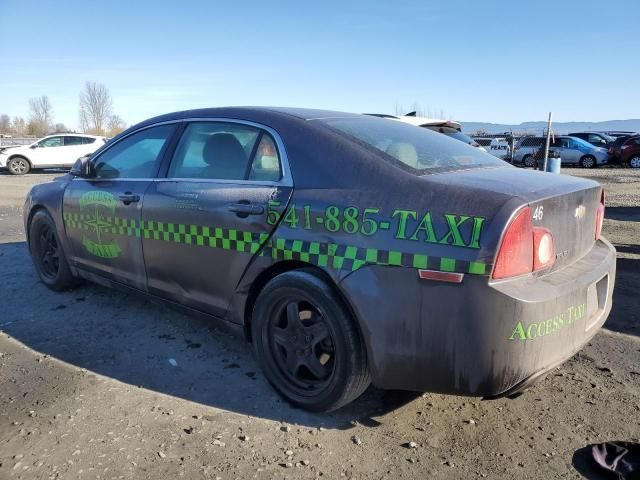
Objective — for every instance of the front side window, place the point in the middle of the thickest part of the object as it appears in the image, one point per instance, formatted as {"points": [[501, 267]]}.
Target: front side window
{"points": [[225, 151], [596, 139], [87, 140], [136, 156], [416, 149], [50, 142], [70, 141]]}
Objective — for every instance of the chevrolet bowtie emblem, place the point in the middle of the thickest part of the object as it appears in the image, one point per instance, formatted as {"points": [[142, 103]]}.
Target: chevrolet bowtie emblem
{"points": [[580, 211]]}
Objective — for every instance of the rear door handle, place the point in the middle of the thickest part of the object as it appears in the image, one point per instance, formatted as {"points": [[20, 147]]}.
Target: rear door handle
{"points": [[128, 197], [245, 209]]}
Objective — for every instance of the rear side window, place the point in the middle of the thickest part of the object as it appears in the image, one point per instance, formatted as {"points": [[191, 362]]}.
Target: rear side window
{"points": [[70, 141], [136, 156], [50, 142], [531, 142], [225, 151], [416, 149], [266, 162]]}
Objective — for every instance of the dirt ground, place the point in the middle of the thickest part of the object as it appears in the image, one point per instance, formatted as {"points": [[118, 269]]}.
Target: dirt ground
{"points": [[98, 384]]}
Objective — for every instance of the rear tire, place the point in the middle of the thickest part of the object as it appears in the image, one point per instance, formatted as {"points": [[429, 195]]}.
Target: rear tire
{"points": [[18, 166], [308, 343], [634, 162], [528, 161], [588, 161], [47, 254]]}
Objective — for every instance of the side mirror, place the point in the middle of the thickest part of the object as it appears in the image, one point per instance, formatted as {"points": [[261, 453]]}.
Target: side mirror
{"points": [[82, 167], [35, 145]]}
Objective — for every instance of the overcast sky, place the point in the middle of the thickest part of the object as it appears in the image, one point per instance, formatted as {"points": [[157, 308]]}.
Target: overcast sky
{"points": [[495, 61]]}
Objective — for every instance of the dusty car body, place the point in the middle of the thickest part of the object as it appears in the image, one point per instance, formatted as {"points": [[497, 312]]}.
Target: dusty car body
{"points": [[459, 273]]}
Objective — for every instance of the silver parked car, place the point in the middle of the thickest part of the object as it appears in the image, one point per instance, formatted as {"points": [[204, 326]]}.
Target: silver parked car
{"points": [[573, 151]]}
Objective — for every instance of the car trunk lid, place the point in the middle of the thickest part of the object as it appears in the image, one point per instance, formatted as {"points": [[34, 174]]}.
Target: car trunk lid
{"points": [[563, 204]]}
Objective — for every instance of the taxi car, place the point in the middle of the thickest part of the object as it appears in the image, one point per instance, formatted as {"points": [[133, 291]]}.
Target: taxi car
{"points": [[349, 249]]}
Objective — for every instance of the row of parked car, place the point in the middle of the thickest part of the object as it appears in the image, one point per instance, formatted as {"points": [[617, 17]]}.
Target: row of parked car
{"points": [[586, 149]]}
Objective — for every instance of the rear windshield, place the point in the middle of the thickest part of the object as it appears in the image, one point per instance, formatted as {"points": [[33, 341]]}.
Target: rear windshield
{"points": [[416, 149]]}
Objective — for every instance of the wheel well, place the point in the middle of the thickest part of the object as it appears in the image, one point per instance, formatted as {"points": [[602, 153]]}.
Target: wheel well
{"points": [[33, 211], [20, 156], [277, 269]]}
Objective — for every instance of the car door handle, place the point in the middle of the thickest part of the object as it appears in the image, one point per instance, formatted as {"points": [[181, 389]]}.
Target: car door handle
{"points": [[246, 209], [128, 197]]}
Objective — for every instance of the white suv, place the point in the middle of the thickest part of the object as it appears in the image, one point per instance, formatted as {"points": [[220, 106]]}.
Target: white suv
{"points": [[54, 151]]}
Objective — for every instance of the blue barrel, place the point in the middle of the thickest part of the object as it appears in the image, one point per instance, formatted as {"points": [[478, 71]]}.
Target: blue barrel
{"points": [[553, 165]]}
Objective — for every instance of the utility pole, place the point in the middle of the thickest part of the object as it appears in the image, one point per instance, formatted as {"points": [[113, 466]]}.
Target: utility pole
{"points": [[546, 147]]}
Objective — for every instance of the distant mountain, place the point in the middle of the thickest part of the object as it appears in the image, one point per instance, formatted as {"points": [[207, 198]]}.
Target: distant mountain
{"points": [[561, 128]]}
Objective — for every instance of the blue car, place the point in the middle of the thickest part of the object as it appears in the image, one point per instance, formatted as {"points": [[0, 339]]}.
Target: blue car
{"points": [[572, 150]]}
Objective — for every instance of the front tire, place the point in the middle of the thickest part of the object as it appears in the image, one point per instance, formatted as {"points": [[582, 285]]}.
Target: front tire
{"points": [[308, 343], [18, 166], [588, 161], [634, 162], [47, 255], [528, 161]]}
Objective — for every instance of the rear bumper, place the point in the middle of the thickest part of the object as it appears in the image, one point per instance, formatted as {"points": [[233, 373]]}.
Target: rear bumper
{"points": [[478, 338]]}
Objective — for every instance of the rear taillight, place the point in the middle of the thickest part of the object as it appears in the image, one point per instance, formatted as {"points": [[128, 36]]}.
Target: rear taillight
{"points": [[544, 252], [600, 216], [524, 248]]}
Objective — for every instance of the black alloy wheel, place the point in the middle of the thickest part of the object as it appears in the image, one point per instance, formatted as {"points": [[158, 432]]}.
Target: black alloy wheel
{"points": [[302, 345], [47, 253], [308, 343]]}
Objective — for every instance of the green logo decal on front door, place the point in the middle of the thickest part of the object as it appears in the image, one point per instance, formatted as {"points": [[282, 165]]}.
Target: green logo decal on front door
{"points": [[99, 211]]}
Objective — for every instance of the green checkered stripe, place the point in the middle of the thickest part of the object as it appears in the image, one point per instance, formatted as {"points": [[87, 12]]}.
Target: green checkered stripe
{"points": [[322, 254], [351, 258]]}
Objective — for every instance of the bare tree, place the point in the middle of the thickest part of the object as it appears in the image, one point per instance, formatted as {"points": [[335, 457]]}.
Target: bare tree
{"points": [[60, 128], [40, 115], [5, 123], [95, 108], [19, 126], [115, 125]]}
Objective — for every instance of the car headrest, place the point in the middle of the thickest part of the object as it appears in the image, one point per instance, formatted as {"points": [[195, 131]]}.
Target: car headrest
{"points": [[405, 152], [223, 150]]}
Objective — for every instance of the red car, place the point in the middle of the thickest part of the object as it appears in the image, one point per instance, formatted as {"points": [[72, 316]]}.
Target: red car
{"points": [[629, 152]]}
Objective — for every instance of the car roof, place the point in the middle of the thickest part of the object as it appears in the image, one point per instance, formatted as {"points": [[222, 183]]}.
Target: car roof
{"points": [[251, 113], [72, 135]]}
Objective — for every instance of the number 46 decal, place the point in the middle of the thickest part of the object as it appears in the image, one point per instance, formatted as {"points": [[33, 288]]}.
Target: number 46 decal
{"points": [[537, 213]]}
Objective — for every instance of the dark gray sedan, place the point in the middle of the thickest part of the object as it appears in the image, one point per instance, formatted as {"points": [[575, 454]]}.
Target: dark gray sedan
{"points": [[348, 249]]}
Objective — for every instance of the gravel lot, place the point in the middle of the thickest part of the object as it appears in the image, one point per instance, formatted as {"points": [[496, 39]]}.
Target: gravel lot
{"points": [[87, 389]]}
